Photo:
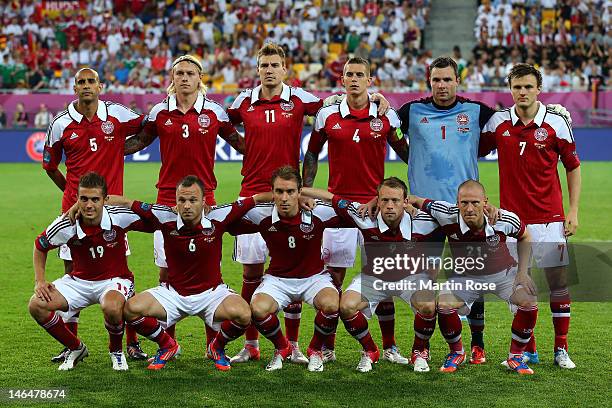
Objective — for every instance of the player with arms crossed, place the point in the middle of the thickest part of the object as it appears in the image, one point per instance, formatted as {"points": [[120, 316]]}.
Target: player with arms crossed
{"points": [[361, 298], [91, 134], [296, 271], [187, 124], [357, 138], [530, 139], [193, 247], [470, 234], [100, 273]]}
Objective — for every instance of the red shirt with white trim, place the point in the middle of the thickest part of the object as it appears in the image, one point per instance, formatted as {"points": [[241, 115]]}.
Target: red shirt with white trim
{"points": [[357, 147], [193, 254], [493, 249], [528, 156], [272, 132], [98, 253], [96, 145], [417, 228], [187, 143], [294, 243]]}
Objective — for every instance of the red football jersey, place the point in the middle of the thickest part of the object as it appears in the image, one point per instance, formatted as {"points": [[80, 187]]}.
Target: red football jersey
{"points": [[98, 253], [418, 228], [187, 143], [493, 249], [272, 132], [528, 158], [90, 146], [294, 243], [357, 146], [193, 255]]}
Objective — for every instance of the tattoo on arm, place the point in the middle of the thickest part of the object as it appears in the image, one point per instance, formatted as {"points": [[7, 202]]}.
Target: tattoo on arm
{"points": [[137, 143], [309, 171], [236, 141]]}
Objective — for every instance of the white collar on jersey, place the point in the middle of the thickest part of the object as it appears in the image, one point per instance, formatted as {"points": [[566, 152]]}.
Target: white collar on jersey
{"points": [[405, 225], [102, 111], [306, 216], [345, 111], [285, 93], [539, 117], [464, 227], [205, 222], [106, 224], [199, 103]]}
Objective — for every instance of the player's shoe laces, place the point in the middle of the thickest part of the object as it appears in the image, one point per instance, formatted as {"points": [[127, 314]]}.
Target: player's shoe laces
{"points": [[249, 352], [563, 360], [531, 358], [135, 352], [452, 362], [277, 360], [60, 357], [367, 359], [315, 363], [419, 361], [72, 357], [119, 361], [478, 355], [393, 355], [518, 365], [329, 355], [217, 354], [296, 356], [163, 356]]}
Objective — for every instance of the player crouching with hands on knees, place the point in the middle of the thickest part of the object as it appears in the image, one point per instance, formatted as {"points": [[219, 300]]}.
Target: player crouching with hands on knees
{"points": [[469, 233], [100, 272], [193, 245]]}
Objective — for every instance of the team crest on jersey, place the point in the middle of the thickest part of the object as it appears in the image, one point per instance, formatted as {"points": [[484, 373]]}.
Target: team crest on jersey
{"points": [[209, 231], [376, 124], [109, 235], [540, 134], [107, 127], [463, 119], [493, 240], [306, 227], [343, 203], [287, 106], [203, 120]]}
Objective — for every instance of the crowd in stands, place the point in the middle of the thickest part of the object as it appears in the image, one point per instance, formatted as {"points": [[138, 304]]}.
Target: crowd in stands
{"points": [[132, 43], [569, 40]]}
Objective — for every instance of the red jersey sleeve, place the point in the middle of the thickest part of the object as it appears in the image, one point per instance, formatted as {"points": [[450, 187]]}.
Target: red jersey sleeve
{"points": [[52, 154], [231, 213], [146, 213], [566, 148]]}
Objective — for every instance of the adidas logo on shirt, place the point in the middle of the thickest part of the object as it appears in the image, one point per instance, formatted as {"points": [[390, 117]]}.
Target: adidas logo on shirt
{"points": [[506, 133], [424, 120], [454, 236], [73, 136], [337, 126], [272, 229], [168, 122], [251, 109]]}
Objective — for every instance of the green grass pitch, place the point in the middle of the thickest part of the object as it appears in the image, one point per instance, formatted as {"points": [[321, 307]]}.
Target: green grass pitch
{"points": [[31, 201]]}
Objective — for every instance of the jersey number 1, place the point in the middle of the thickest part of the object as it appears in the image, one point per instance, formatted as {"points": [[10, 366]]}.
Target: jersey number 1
{"points": [[443, 129]]}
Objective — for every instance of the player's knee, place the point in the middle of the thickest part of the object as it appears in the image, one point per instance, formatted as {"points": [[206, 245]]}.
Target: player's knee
{"points": [[329, 305], [425, 308], [113, 311], [37, 307], [260, 308], [131, 309], [239, 311], [348, 307]]}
